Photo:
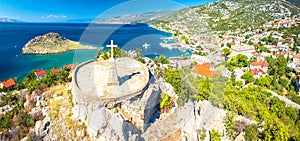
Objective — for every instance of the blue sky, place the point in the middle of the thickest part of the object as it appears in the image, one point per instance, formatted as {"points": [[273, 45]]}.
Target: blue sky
{"points": [[66, 10]]}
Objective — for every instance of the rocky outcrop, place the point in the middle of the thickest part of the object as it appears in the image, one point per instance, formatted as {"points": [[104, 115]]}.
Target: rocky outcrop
{"points": [[102, 124], [52, 43], [120, 120], [192, 120]]}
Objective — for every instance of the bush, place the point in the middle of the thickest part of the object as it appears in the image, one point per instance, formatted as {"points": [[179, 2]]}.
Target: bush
{"points": [[215, 135], [166, 101]]}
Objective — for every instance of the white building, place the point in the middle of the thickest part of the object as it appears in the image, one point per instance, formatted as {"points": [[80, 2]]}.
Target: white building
{"points": [[200, 59], [243, 49]]}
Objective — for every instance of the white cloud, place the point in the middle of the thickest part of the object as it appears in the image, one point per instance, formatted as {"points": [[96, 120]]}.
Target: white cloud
{"points": [[54, 16]]}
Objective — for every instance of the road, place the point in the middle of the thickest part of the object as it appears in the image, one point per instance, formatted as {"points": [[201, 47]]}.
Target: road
{"points": [[286, 100]]}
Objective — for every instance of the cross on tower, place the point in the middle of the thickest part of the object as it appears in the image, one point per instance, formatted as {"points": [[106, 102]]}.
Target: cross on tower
{"points": [[111, 48], [112, 71]]}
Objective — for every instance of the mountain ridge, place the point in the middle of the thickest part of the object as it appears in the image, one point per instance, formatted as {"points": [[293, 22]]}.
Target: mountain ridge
{"points": [[6, 20], [222, 15]]}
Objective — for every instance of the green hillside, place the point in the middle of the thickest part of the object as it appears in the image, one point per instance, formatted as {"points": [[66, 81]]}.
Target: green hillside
{"points": [[227, 15]]}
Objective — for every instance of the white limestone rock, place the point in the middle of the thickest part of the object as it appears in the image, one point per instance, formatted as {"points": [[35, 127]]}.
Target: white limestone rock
{"points": [[103, 125]]}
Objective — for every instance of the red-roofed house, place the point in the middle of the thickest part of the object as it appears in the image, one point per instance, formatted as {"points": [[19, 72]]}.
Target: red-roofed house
{"points": [[205, 69], [40, 73], [274, 49], [296, 59], [263, 65], [257, 72], [55, 70], [258, 56], [285, 24], [8, 84], [69, 66], [289, 54], [279, 54]]}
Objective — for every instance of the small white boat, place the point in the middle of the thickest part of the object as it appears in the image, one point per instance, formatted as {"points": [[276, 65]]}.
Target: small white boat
{"points": [[146, 45]]}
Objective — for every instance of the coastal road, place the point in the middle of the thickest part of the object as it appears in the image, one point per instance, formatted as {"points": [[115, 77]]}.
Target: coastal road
{"points": [[286, 100]]}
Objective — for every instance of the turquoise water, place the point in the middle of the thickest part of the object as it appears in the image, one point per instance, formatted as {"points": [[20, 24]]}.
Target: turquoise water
{"points": [[13, 36]]}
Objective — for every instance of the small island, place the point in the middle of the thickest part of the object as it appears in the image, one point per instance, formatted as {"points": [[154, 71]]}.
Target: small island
{"points": [[53, 43]]}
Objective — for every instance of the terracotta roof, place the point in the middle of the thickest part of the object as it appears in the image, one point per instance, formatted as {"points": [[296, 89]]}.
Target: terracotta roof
{"points": [[297, 56], [55, 70], [204, 69], [256, 71], [260, 63], [289, 52], [257, 54], [69, 66], [285, 22], [8, 83], [206, 65], [40, 72], [277, 55]]}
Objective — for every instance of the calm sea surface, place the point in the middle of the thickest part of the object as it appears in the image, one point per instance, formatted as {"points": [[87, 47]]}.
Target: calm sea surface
{"points": [[13, 36]]}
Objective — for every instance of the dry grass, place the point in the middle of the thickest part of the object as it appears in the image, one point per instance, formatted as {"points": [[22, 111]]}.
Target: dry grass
{"points": [[174, 137], [60, 109]]}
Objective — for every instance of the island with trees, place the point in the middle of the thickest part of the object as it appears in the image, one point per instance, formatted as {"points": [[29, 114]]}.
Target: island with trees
{"points": [[53, 43]]}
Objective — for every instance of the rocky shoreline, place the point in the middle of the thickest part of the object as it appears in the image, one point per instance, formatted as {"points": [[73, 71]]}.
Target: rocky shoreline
{"points": [[52, 43]]}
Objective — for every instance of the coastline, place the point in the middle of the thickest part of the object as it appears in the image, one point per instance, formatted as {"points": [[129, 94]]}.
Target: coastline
{"points": [[29, 61], [179, 45]]}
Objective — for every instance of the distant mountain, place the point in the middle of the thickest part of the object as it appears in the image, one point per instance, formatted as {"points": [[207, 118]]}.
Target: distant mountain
{"points": [[227, 15], [79, 20], [6, 20], [134, 18], [222, 15]]}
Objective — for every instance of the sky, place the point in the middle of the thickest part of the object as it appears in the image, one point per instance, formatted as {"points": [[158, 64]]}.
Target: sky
{"points": [[83, 10]]}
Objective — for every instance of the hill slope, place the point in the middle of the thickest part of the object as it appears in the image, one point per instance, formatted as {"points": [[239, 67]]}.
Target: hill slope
{"points": [[231, 14], [223, 15]]}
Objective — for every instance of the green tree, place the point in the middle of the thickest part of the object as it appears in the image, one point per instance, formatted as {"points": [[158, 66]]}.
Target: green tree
{"points": [[228, 45], [248, 76], [263, 82], [166, 101], [281, 65], [205, 89], [6, 121], [230, 125], [283, 81], [161, 59], [239, 61], [251, 133], [275, 130], [226, 51], [215, 135], [139, 53]]}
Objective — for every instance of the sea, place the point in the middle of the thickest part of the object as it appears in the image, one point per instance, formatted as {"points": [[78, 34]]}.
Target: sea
{"points": [[13, 36]]}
